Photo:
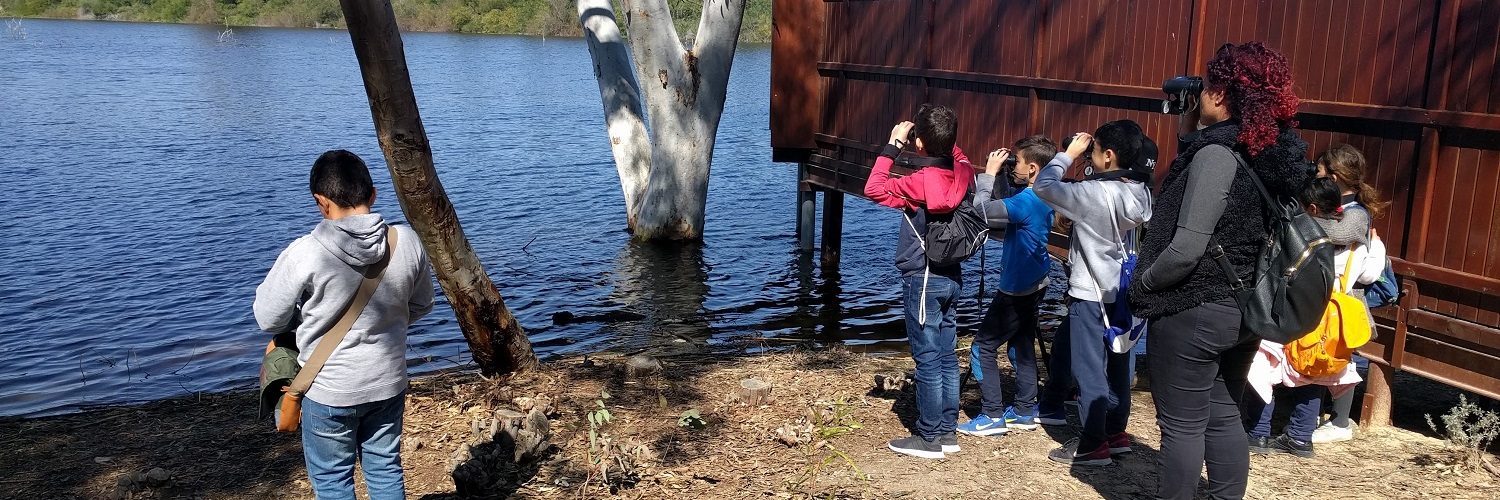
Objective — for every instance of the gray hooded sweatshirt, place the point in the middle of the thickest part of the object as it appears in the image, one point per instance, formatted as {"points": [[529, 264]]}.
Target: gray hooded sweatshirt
{"points": [[1102, 212], [322, 272]]}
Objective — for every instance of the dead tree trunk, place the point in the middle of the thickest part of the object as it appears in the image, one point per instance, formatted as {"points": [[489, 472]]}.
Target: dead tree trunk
{"points": [[498, 344], [665, 177]]}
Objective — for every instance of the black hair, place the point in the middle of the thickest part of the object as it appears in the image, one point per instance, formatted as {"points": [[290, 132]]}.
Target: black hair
{"points": [[1036, 149], [937, 126], [343, 178], [1323, 194], [1135, 152]]}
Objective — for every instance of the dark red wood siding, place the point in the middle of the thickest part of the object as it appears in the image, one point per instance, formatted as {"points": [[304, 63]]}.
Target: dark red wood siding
{"points": [[1412, 83]]}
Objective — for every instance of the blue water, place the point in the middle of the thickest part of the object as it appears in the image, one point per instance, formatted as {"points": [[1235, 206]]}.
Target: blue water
{"points": [[150, 174]]}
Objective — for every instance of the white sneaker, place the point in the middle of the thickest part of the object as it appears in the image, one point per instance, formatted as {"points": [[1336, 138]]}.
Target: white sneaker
{"points": [[1330, 433]]}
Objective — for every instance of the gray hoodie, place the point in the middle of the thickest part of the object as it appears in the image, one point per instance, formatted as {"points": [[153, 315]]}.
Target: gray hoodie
{"points": [[322, 271], [1101, 211]]}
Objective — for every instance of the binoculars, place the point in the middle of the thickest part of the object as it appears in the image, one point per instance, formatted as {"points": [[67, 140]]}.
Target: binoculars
{"points": [[1180, 90]]}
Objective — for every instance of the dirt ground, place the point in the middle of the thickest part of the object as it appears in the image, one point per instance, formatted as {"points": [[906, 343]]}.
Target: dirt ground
{"points": [[824, 402]]}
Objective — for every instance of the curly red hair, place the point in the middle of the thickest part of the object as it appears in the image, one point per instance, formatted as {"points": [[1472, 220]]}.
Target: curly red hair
{"points": [[1257, 86]]}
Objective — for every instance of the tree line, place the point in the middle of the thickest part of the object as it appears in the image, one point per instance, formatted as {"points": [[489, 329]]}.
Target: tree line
{"points": [[527, 17]]}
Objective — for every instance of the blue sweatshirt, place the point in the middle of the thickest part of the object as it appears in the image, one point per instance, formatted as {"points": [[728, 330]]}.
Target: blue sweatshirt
{"points": [[1026, 220]]}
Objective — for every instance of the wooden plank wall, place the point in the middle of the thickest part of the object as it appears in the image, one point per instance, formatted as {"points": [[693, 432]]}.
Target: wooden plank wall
{"points": [[1412, 83]]}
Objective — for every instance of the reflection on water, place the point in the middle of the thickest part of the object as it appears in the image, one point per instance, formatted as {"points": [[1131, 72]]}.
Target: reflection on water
{"points": [[667, 285]]}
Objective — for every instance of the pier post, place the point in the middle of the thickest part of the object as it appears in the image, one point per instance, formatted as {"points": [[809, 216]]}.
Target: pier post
{"points": [[1375, 412], [806, 211], [833, 228]]}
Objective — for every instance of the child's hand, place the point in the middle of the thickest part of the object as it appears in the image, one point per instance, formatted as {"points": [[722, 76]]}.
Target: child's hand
{"points": [[900, 132], [997, 158], [1080, 144]]}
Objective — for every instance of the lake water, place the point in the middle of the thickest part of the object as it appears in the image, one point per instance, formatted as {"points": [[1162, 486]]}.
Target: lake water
{"points": [[150, 174]]}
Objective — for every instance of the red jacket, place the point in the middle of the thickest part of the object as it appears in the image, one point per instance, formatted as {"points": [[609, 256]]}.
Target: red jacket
{"points": [[938, 189]]}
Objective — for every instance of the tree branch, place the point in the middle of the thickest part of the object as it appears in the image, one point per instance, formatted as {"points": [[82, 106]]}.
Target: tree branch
{"points": [[718, 36], [624, 115]]}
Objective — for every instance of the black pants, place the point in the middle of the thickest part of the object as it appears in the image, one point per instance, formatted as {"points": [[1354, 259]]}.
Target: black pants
{"points": [[1011, 319], [1199, 359]]}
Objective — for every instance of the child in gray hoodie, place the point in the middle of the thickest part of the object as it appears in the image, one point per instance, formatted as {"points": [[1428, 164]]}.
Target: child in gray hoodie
{"points": [[355, 405], [1112, 200]]}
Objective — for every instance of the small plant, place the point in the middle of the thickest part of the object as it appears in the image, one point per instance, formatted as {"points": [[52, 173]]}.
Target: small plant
{"points": [[692, 420], [1470, 430], [828, 420]]}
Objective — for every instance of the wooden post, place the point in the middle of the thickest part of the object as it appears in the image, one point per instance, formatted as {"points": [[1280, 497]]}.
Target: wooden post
{"points": [[1376, 410], [806, 210], [496, 340], [833, 228]]}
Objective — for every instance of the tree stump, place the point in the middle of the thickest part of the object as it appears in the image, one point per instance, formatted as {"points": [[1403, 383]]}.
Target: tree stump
{"points": [[754, 392], [642, 365]]}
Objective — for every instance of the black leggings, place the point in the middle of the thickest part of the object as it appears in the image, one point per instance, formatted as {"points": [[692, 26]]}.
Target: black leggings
{"points": [[1199, 359]]}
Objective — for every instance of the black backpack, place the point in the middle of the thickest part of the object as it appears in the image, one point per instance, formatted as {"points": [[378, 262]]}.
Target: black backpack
{"points": [[952, 237], [955, 236], [1293, 273]]}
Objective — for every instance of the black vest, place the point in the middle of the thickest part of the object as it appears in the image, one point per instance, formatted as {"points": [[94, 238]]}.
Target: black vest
{"points": [[1241, 231]]}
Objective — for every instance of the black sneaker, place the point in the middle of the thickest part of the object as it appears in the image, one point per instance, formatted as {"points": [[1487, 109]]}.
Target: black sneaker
{"points": [[1068, 454], [1285, 444], [1260, 445], [917, 447], [949, 442]]}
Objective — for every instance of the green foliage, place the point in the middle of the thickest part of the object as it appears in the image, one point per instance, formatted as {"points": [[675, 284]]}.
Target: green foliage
{"points": [[530, 17], [692, 420], [1469, 428]]}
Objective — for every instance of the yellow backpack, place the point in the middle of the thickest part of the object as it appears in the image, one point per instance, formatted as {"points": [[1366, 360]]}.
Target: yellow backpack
{"points": [[1345, 326]]}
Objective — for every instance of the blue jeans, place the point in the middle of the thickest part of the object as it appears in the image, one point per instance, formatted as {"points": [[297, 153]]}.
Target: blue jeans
{"points": [[1010, 320], [932, 345], [332, 436], [1308, 401]]}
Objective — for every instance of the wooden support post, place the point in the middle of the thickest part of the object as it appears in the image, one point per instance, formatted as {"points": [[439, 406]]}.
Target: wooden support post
{"points": [[806, 218], [1376, 410], [833, 228]]}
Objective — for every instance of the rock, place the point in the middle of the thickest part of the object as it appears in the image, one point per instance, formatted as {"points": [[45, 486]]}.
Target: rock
{"points": [[793, 434], [103, 460], [412, 444], [642, 365], [891, 382], [158, 476], [528, 403]]}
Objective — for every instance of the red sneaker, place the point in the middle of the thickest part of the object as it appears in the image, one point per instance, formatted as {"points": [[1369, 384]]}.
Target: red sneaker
{"points": [[1119, 444], [1070, 454]]}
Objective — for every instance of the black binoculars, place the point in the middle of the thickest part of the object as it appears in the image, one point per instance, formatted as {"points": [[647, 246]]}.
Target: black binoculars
{"points": [[1180, 90]]}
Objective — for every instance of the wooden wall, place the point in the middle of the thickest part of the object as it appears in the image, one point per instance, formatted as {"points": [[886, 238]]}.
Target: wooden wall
{"points": [[1412, 83]]}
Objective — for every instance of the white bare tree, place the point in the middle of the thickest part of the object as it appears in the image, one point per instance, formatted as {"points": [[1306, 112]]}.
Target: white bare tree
{"points": [[663, 171]]}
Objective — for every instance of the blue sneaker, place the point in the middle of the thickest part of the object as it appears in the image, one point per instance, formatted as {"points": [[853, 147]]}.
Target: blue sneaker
{"points": [[1023, 422], [983, 425], [1049, 416]]}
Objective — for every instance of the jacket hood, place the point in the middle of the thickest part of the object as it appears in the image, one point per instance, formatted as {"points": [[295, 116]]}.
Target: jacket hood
{"points": [[947, 188], [1136, 203], [357, 240]]}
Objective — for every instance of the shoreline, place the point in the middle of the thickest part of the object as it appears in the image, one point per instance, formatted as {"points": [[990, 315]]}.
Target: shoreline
{"points": [[821, 433]]}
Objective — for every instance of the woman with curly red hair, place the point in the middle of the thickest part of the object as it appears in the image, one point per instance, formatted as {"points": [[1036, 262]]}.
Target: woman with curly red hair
{"points": [[1208, 204]]}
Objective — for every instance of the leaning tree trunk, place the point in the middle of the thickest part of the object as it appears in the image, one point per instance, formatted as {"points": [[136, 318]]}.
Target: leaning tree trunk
{"points": [[684, 95], [497, 341]]}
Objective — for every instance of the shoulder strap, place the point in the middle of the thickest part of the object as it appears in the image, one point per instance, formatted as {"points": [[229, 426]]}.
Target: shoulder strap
{"points": [[1216, 250], [335, 335]]}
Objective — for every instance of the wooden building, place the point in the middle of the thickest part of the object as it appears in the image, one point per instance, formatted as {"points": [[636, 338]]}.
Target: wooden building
{"points": [[1413, 83]]}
